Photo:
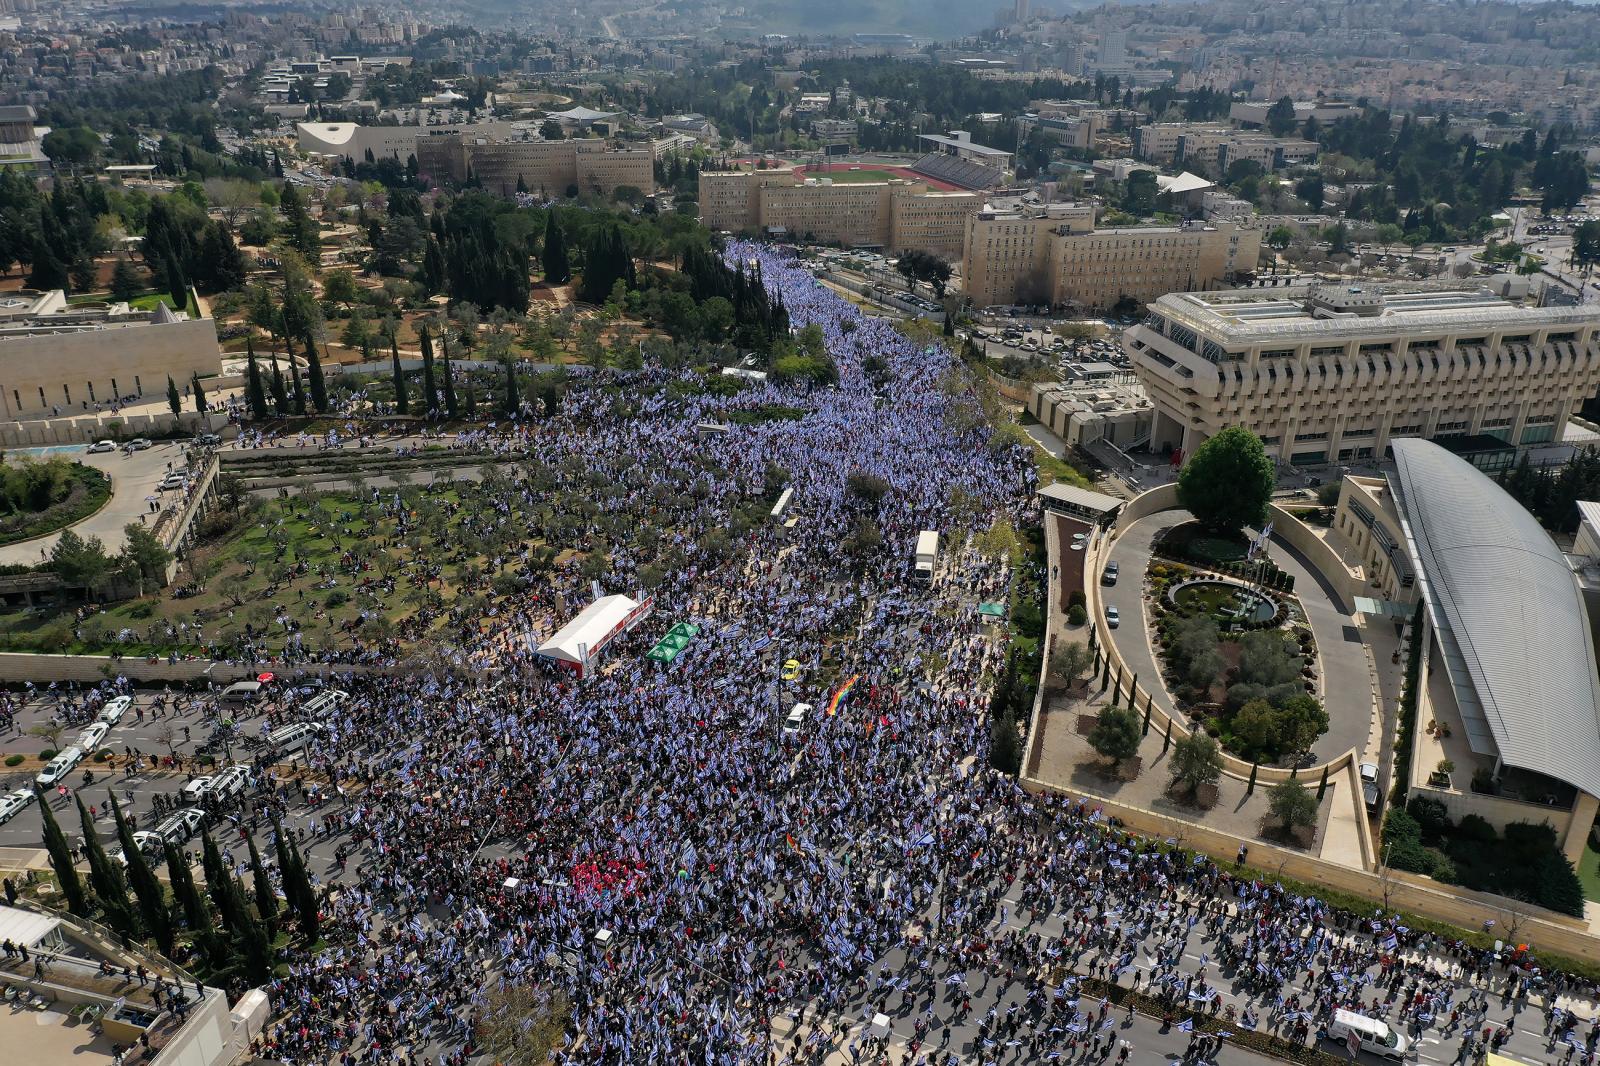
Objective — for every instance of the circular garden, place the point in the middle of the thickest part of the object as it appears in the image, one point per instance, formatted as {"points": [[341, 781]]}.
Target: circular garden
{"points": [[1230, 656], [39, 497]]}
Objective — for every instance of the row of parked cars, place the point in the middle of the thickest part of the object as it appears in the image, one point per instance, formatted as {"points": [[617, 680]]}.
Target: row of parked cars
{"points": [[87, 742]]}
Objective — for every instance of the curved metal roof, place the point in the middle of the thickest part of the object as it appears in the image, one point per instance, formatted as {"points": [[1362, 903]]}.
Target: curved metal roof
{"points": [[1509, 615]]}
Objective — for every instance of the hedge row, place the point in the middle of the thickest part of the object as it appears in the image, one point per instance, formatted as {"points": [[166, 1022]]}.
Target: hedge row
{"points": [[1261, 1042]]}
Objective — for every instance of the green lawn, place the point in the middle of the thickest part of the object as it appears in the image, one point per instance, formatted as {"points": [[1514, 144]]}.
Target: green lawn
{"points": [[148, 303], [853, 177], [1589, 873]]}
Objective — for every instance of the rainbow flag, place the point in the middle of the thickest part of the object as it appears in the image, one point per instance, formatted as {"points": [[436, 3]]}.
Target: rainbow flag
{"points": [[838, 697]]}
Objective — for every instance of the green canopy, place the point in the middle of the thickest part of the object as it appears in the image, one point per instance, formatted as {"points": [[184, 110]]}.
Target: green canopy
{"points": [[671, 646], [992, 610]]}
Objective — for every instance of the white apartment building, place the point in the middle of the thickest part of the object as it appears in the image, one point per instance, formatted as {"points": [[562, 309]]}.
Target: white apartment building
{"points": [[1333, 373]]}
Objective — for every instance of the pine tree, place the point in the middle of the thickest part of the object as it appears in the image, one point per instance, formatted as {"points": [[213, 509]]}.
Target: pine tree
{"points": [[557, 270], [55, 842], [110, 886], [402, 401], [449, 384], [261, 884], [174, 400], [153, 912], [430, 390], [280, 393], [199, 393], [255, 394], [319, 387], [125, 281]]}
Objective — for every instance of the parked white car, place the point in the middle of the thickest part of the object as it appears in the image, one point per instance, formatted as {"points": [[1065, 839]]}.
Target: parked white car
{"points": [[102, 446], [13, 803], [92, 736], [115, 708]]}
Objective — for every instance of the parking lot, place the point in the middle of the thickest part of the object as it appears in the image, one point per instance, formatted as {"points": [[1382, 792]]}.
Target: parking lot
{"points": [[1043, 342]]}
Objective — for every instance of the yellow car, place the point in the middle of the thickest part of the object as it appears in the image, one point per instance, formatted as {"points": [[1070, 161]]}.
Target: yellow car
{"points": [[791, 669]]}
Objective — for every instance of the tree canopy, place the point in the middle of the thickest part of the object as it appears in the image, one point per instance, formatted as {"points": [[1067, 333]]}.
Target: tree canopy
{"points": [[1227, 483]]}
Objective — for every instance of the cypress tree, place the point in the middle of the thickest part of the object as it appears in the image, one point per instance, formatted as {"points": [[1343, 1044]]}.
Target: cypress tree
{"points": [[153, 912], [177, 286], [319, 387], [430, 391], [106, 877], [299, 386], [255, 394], [266, 898], [217, 949], [174, 400], [280, 393], [431, 273], [513, 397], [298, 884], [402, 402], [195, 914], [449, 385], [219, 884], [256, 943], [55, 842], [280, 843], [557, 270], [199, 393]]}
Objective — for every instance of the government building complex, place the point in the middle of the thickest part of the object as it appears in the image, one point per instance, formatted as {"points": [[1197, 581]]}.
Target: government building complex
{"points": [[500, 155], [894, 215], [1335, 373], [1020, 252]]}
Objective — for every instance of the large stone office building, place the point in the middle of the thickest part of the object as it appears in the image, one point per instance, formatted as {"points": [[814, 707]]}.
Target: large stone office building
{"points": [[1019, 252], [1334, 373], [61, 359], [892, 215]]}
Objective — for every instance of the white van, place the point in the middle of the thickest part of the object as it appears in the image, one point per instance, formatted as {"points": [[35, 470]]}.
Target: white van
{"points": [[241, 693], [323, 703], [1374, 1035], [291, 738], [797, 718], [53, 774]]}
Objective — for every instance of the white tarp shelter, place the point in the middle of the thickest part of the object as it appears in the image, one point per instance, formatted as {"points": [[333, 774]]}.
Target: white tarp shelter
{"points": [[578, 644]]}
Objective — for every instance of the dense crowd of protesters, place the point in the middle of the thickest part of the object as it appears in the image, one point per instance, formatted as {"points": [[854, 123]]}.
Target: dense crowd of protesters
{"points": [[649, 849]]}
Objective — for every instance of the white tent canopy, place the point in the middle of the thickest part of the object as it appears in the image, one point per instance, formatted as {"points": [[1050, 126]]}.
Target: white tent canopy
{"points": [[580, 640], [26, 927]]}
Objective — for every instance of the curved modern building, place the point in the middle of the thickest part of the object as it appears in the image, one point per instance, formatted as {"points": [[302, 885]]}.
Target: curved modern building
{"points": [[1511, 672]]}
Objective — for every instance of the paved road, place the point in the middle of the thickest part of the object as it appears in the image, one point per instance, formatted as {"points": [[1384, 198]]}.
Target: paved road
{"points": [[21, 839], [133, 477], [1348, 697]]}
